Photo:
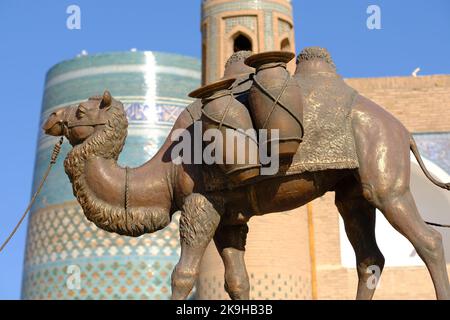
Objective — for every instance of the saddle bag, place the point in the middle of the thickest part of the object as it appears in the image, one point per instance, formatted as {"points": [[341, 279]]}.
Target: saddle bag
{"points": [[275, 100], [237, 142]]}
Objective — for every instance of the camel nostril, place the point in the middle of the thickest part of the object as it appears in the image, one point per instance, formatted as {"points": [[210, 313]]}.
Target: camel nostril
{"points": [[53, 126]]}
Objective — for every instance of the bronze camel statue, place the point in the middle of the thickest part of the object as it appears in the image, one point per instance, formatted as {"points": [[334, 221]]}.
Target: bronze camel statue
{"points": [[135, 201]]}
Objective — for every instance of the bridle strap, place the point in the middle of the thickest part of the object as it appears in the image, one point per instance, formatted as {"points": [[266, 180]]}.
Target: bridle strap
{"points": [[69, 124], [82, 123]]}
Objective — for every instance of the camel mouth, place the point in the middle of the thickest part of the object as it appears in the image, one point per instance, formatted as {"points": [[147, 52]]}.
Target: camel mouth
{"points": [[53, 126]]}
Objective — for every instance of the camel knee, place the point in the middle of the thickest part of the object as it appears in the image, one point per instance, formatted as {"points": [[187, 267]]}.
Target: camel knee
{"points": [[432, 244], [384, 196], [372, 263], [183, 280], [237, 287]]}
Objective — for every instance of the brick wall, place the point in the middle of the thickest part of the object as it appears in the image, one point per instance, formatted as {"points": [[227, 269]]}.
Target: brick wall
{"points": [[422, 104]]}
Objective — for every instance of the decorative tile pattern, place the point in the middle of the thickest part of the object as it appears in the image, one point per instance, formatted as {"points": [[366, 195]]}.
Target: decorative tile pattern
{"points": [[237, 5], [283, 27], [119, 59], [111, 266], [273, 286], [268, 31], [162, 114], [247, 21], [435, 147], [212, 48], [62, 233], [109, 279]]}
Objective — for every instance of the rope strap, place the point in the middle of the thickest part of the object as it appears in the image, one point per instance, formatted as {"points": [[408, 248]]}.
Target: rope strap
{"points": [[126, 204], [277, 101], [127, 197], [55, 153], [217, 95]]}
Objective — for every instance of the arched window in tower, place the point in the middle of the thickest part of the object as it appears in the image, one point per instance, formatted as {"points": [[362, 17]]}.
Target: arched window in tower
{"points": [[285, 45], [241, 42]]}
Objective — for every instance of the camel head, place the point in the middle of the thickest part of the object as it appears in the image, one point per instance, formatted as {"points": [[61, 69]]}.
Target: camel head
{"points": [[97, 129], [78, 122]]}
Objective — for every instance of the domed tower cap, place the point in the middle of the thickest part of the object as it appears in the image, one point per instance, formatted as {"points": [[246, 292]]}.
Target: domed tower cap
{"points": [[210, 89], [260, 59]]}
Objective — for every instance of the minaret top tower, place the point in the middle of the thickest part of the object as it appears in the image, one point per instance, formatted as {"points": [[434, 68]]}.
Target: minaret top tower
{"points": [[232, 25]]}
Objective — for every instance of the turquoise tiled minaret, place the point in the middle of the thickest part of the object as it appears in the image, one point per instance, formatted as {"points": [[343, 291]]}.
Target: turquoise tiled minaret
{"points": [[61, 243]]}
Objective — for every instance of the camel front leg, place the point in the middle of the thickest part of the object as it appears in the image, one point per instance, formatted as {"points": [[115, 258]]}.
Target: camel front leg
{"points": [[230, 243], [198, 223]]}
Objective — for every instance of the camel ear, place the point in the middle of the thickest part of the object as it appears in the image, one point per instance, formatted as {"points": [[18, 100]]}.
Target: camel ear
{"points": [[106, 100]]}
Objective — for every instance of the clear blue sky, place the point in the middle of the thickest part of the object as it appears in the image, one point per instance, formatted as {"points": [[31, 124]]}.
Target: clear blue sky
{"points": [[33, 37]]}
